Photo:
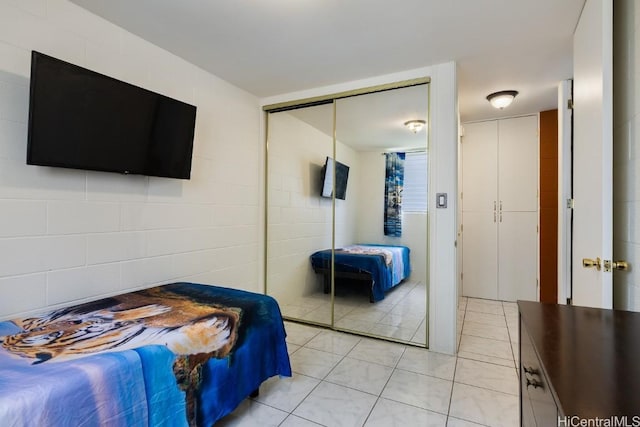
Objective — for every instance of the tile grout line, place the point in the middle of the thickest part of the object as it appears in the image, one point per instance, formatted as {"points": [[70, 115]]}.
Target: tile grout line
{"points": [[455, 368], [396, 369], [321, 379], [324, 380], [511, 344], [484, 361], [454, 378], [385, 386], [378, 396], [290, 413]]}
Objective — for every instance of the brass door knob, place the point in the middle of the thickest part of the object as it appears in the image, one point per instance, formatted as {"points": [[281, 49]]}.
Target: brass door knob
{"points": [[620, 265], [590, 263], [614, 265]]}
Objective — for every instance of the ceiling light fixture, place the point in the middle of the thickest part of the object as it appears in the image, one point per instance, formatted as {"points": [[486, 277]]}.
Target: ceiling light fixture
{"points": [[415, 126], [502, 99]]}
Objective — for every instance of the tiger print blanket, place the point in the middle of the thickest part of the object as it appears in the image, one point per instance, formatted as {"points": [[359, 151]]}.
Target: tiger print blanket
{"points": [[150, 316], [192, 330]]}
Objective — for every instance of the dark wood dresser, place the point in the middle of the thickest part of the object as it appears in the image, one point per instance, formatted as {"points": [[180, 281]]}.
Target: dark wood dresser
{"points": [[578, 362]]}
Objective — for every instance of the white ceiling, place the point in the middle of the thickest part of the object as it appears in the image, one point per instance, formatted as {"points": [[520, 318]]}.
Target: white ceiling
{"points": [[373, 122], [271, 47]]}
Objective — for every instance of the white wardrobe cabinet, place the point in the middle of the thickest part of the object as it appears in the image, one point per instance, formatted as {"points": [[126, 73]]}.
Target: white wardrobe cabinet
{"points": [[500, 209]]}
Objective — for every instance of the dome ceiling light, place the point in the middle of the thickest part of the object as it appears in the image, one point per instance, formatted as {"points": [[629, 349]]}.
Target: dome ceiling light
{"points": [[415, 126], [502, 99]]}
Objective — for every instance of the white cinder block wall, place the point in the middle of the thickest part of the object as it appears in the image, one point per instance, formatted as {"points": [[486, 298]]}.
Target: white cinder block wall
{"points": [[299, 220], [347, 214], [70, 235], [626, 151]]}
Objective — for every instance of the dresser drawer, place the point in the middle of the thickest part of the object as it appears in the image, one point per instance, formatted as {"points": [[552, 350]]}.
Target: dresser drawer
{"points": [[537, 407], [588, 362]]}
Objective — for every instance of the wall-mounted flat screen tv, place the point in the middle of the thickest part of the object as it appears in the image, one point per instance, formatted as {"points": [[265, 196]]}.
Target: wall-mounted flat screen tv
{"points": [[81, 119], [342, 176]]}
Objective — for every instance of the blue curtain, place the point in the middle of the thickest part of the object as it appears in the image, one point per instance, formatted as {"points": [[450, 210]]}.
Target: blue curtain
{"points": [[394, 180]]}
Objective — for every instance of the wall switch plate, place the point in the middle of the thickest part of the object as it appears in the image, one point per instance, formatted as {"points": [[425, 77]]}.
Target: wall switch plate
{"points": [[441, 200]]}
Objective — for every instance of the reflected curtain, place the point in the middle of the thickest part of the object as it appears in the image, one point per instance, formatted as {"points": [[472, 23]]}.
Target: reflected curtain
{"points": [[394, 180]]}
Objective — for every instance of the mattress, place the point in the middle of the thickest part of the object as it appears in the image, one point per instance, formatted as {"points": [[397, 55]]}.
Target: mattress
{"points": [[172, 355], [387, 265]]}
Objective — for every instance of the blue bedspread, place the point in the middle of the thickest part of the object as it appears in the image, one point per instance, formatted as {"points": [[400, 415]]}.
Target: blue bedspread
{"points": [[138, 386], [384, 276]]}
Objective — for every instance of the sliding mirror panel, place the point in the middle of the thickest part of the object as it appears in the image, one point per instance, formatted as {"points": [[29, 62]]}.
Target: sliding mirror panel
{"points": [[381, 225], [300, 211]]}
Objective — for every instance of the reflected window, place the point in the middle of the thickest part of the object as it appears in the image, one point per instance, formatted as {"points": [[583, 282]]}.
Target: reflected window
{"points": [[414, 193]]}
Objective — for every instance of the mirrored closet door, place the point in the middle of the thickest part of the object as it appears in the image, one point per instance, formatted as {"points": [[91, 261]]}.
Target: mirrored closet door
{"points": [[347, 213], [385, 215], [299, 218]]}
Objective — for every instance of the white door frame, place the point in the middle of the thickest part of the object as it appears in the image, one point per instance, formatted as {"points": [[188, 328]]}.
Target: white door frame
{"points": [[565, 189]]}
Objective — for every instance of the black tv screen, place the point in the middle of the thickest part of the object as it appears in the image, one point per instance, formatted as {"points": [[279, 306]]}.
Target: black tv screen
{"points": [[342, 176], [85, 120]]}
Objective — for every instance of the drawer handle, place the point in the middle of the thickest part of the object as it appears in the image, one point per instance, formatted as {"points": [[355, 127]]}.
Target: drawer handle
{"points": [[530, 371], [533, 383]]}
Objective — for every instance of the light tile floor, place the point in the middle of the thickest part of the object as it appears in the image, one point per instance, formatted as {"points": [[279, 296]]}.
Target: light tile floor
{"points": [[347, 380], [401, 315]]}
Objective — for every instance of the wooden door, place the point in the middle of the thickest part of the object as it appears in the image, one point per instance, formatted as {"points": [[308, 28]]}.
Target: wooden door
{"points": [[548, 237]]}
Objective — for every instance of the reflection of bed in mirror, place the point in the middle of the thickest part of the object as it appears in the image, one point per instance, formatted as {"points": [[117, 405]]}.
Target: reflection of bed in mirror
{"points": [[380, 267]]}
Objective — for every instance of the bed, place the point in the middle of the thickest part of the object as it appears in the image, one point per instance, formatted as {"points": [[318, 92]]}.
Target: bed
{"points": [[172, 355], [380, 267]]}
